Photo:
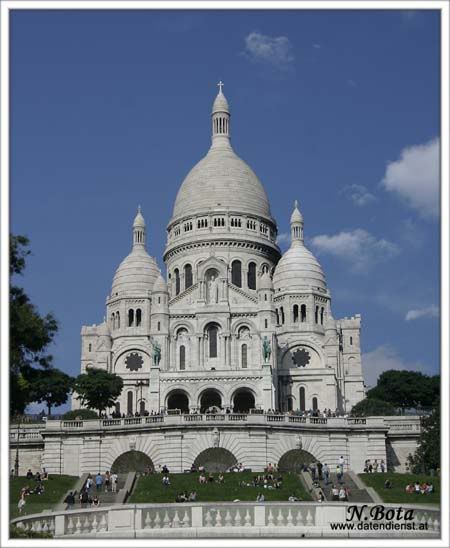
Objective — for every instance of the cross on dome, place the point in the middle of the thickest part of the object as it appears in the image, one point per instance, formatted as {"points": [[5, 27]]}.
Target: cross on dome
{"points": [[220, 84]]}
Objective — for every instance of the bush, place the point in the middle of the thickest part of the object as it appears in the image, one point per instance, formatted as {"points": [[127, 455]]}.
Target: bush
{"points": [[373, 407], [85, 414]]}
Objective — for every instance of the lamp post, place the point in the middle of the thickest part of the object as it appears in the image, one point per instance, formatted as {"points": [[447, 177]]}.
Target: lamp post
{"points": [[16, 462], [140, 384]]}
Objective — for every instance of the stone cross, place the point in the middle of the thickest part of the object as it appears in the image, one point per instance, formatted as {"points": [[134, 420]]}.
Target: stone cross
{"points": [[220, 84]]}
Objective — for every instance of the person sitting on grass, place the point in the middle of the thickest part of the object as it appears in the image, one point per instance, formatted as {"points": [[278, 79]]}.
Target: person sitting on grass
{"points": [[39, 489], [210, 478], [417, 488], [388, 484], [95, 502], [293, 498], [342, 495], [201, 469], [260, 498], [202, 479], [334, 493], [221, 478], [165, 470], [193, 468], [409, 488], [166, 480], [429, 489], [192, 496], [30, 474], [321, 497]]}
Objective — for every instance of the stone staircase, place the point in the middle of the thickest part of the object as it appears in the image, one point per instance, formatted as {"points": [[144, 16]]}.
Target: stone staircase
{"points": [[357, 493]]}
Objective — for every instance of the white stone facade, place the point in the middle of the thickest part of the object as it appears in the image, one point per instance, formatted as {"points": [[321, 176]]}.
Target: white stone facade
{"points": [[236, 325]]}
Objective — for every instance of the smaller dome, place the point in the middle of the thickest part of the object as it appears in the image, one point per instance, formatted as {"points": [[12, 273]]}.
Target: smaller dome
{"points": [[220, 104], [265, 282], [298, 269], [137, 273], [160, 285], [296, 216], [139, 220]]}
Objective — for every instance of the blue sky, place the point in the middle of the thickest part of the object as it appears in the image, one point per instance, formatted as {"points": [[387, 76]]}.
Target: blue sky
{"points": [[339, 109]]}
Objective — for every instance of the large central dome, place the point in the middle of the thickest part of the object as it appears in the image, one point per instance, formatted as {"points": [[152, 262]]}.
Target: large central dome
{"points": [[221, 180]]}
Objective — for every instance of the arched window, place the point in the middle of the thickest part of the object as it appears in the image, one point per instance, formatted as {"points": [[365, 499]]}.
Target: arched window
{"points": [[138, 316], [295, 313], [117, 408], [236, 273], [90, 347], [321, 315], [278, 316], [244, 356], [212, 339], [314, 404], [130, 403], [130, 317], [302, 399], [113, 321], [282, 315], [187, 276], [303, 312], [159, 326], [142, 408], [117, 320], [182, 357], [177, 281], [351, 340], [316, 315], [251, 276], [290, 403], [266, 324]]}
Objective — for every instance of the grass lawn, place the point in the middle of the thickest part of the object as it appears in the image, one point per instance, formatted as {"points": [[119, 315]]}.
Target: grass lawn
{"points": [[399, 481], [150, 488], [55, 487]]}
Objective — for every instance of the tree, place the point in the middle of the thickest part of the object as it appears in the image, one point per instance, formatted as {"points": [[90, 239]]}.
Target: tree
{"points": [[30, 333], [51, 386], [372, 407], [84, 414], [428, 453], [98, 389], [406, 388]]}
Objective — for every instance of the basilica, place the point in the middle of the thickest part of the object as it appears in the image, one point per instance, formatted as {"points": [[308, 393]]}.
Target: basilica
{"points": [[233, 325]]}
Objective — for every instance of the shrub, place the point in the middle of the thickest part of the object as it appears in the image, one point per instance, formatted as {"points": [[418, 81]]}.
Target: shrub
{"points": [[81, 413]]}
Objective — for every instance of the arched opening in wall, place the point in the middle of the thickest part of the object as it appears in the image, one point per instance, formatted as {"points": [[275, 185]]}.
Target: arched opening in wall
{"points": [[182, 357], [216, 459], [303, 312], [316, 315], [315, 404], [295, 313], [113, 321], [290, 403], [187, 276], [244, 356], [212, 333], [295, 460], [177, 281], [142, 408], [130, 317], [130, 410], [117, 408], [178, 400], [210, 401], [138, 317], [251, 276], [282, 315], [236, 273], [118, 320], [278, 316], [302, 398], [321, 315], [243, 401], [133, 461]]}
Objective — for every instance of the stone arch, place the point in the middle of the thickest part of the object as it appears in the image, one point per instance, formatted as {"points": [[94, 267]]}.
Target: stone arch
{"points": [[132, 461], [243, 323], [216, 459], [243, 399], [210, 397], [182, 324], [129, 348], [294, 460], [177, 399]]}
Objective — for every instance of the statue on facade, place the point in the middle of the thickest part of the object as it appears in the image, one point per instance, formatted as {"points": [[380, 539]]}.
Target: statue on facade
{"points": [[156, 353], [267, 351], [213, 290], [216, 437]]}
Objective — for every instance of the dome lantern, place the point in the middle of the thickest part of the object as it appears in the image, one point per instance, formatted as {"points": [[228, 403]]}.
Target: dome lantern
{"points": [[220, 120], [296, 225], [139, 229]]}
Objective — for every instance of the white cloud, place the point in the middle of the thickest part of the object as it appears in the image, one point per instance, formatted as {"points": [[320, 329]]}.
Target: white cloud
{"points": [[415, 177], [276, 51], [358, 248], [427, 312], [283, 238], [358, 194], [382, 359]]}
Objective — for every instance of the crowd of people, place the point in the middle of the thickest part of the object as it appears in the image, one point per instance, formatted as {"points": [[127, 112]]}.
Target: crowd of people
{"points": [[375, 466], [37, 489], [93, 486], [417, 488]]}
